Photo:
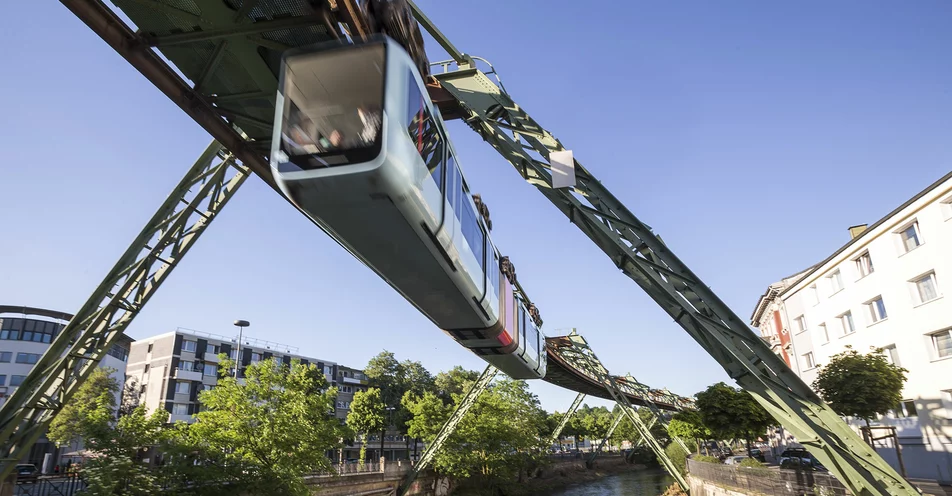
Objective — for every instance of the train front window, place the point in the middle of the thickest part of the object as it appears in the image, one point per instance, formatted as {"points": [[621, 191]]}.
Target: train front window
{"points": [[423, 132], [333, 106]]}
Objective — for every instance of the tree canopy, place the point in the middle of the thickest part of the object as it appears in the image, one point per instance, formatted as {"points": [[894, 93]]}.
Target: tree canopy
{"points": [[732, 413], [269, 432], [861, 386]]}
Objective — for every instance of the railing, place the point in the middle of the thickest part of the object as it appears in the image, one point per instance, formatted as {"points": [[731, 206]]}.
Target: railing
{"points": [[60, 486], [770, 481]]}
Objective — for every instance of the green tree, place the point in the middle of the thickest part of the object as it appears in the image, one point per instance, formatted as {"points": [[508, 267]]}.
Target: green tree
{"points": [[732, 413], [269, 432], [76, 417], [366, 416], [453, 382], [496, 440], [861, 386], [689, 425], [91, 415]]}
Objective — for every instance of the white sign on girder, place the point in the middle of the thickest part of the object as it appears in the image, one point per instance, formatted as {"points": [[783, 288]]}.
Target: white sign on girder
{"points": [[563, 169]]}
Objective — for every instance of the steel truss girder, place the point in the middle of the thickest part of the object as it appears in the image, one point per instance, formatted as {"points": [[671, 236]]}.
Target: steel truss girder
{"points": [[658, 414], [583, 356], [146, 264], [642, 256], [565, 419], [448, 427]]}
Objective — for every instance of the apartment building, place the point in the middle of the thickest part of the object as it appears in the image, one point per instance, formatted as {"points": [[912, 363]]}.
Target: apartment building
{"points": [[172, 368], [884, 289], [25, 335]]}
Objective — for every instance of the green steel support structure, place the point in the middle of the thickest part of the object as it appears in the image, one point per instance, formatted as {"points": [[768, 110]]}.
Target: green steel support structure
{"points": [[640, 254], [146, 264], [565, 419], [651, 405], [448, 427], [582, 355]]}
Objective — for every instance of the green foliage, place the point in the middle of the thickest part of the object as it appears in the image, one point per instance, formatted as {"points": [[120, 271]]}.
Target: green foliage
{"points": [[91, 416], [688, 425], [456, 381], [677, 455], [81, 413], [707, 459], [268, 433], [366, 416], [752, 463], [496, 440], [731, 413], [860, 386]]}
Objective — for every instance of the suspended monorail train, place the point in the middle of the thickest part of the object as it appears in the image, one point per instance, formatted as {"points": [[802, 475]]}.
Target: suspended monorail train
{"points": [[360, 148]]}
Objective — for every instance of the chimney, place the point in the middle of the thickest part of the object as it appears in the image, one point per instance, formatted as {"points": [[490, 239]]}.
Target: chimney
{"points": [[857, 230]]}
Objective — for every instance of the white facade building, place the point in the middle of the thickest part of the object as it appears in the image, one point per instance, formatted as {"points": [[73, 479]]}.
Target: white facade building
{"points": [[886, 289], [25, 335]]}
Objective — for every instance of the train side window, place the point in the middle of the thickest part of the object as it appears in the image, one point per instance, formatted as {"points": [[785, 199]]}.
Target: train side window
{"points": [[423, 131], [452, 180], [493, 269], [473, 232]]}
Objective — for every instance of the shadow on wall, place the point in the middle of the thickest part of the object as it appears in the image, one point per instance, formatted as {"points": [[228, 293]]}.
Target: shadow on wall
{"points": [[926, 441]]}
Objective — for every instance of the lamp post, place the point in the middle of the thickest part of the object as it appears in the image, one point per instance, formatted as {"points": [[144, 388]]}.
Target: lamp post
{"points": [[389, 410], [241, 328]]}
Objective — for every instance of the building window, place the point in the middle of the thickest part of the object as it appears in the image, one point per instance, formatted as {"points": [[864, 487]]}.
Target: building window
{"points": [[875, 310], [30, 358], [907, 409], [813, 295], [182, 387], [6, 356], [909, 236], [824, 333], [947, 208], [892, 355], [942, 343], [146, 370], [255, 357], [3, 380], [211, 348], [846, 323], [925, 288], [150, 348], [207, 387], [801, 323], [211, 369], [328, 370], [864, 265], [16, 380], [186, 365], [189, 346], [808, 362], [179, 409], [836, 281]]}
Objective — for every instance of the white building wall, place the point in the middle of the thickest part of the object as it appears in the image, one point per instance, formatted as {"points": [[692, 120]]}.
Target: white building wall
{"points": [[926, 435]]}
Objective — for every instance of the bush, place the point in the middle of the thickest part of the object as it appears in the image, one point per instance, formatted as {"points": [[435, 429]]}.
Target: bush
{"points": [[705, 459], [678, 456], [752, 463]]}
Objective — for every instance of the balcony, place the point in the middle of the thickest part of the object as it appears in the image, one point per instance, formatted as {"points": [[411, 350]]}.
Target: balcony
{"points": [[354, 380], [187, 375], [184, 418], [211, 357]]}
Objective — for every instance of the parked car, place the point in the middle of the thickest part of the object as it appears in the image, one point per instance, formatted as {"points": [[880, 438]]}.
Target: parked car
{"points": [[757, 454], [27, 472], [800, 458], [734, 460]]}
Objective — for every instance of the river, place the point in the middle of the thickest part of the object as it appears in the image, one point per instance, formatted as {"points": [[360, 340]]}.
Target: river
{"points": [[633, 483]]}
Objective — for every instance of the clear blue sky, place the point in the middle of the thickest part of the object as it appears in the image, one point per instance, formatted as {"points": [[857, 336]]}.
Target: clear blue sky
{"points": [[750, 136]]}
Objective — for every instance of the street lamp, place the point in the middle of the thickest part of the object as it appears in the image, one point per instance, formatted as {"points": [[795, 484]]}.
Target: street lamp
{"points": [[389, 410], [241, 328]]}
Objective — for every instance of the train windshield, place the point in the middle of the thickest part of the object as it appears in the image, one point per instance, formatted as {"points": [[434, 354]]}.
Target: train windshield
{"points": [[333, 106]]}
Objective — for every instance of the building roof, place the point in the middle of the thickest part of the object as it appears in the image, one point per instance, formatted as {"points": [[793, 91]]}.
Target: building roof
{"points": [[39, 312], [773, 290], [869, 229]]}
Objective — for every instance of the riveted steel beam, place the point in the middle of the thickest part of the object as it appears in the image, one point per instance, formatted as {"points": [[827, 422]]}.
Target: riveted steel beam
{"points": [[565, 419]]}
